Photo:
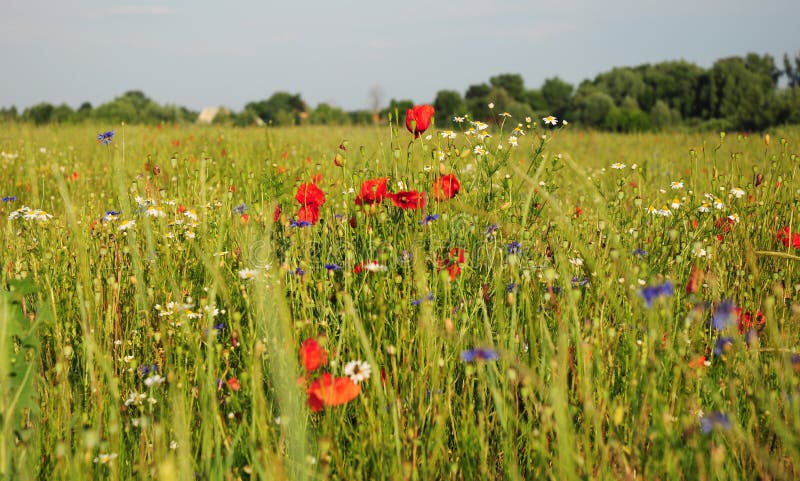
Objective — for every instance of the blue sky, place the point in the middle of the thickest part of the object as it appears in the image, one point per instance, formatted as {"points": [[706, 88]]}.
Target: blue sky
{"points": [[200, 53]]}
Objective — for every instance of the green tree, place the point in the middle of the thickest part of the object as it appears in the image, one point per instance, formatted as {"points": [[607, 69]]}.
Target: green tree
{"points": [[621, 82], [39, 114], [741, 92], [557, 96], [9, 114], [62, 114], [511, 83], [593, 108], [326, 114], [397, 108], [282, 108], [448, 104]]}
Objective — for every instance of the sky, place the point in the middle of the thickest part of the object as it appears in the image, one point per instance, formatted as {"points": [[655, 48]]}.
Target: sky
{"points": [[198, 53]]}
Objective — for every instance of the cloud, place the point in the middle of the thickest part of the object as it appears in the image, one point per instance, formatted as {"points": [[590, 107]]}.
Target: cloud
{"points": [[143, 10]]}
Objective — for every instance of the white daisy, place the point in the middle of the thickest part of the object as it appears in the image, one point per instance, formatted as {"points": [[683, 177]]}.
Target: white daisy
{"points": [[357, 371]]}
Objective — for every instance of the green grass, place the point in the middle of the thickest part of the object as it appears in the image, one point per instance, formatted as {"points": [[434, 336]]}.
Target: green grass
{"points": [[590, 383]]}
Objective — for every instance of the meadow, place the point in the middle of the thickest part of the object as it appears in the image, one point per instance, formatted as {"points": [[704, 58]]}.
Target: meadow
{"points": [[186, 302]]}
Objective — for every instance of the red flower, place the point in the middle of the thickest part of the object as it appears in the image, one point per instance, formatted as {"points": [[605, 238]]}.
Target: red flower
{"points": [[372, 191], [418, 119], [786, 236], [246, 218], [277, 215], [233, 384], [455, 258], [312, 355], [327, 391], [695, 280], [410, 199], [747, 321], [310, 194], [446, 187], [308, 213]]}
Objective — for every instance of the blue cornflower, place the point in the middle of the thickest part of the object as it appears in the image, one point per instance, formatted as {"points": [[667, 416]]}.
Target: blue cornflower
{"points": [[723, 345], [428, 219], [480, 354], [491, 229], [513, 247], [650, 293], [579, 282], [105, 137], [714, 420], [724, 315], [419, 301], [299, 223], [333, 267], [111, 215], [639, 253], [511, 287], [240, 209], [145, 369], [299, 272], [9, 198]]}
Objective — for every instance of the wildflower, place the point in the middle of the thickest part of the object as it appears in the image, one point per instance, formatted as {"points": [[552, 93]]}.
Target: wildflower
{"points": [[312, 355], [675, 204], [9, 198], [126, 224], [480, 354], [135, 398], [105, 137], [512, 141], [718, 204], [37, 214], [428, 219], [446, 187], [714, 421], [724, 315], [309, 194], [357, 371], [786, 236], [640, 253], [448, 134], [372, 191], [419, 301], [737, 192], [479, 150], [327, 391], [723, 345], [651, 293], [333, 267], [695, 280], [308, 214], [111, 215], [676, 185], [411, 199], [491, 229], [618, 165], [373, 266], [550, 120], [247, 274], [747, 321], [704, 208], [576, 261], [299, 223], [513, 247], [458, 119], [155, 211], [105, 458], [154, 380], [579, 282], [233, 384], [699, 362], [241, 208], [418, 119], [491, 105]]}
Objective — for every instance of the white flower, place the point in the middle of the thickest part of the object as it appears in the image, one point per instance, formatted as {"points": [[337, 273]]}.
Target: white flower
{"points": [[718, 204], [737, 192], [479, 150], [173, 445], [37, 214], [664, 211], [677, 185], [22, 211], [189, 234], [104, 458], [357, 371], [676, 203], [127, 224], [491, 105], [618, 165], [512, 141], [699, 252], [374, 266], [458, 119], [734, 218], [154, 211], [448, 134], [247, 274], [576, 261], [528, 120], [704, 208], [191, 214], [550, 120], [135, 398], [564, 122], [154, 380], [480, 125]]}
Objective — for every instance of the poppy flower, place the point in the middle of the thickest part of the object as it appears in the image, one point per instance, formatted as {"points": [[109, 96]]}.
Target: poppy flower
{"points": [[310, 194], [786, 236], [695, 280], [330, 391], [446, 187], [410, 199], [233, 384], [312, 355], [418, 119], [308, 213], [372, 191], [748, 321]]}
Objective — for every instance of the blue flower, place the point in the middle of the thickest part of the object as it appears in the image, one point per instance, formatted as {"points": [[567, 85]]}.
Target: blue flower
{"points": [[579, 282], [480, 354], [491, 229], [419, 301], [513, 247], [650, 293], [639, 253], [145, 369], [105, 137], [9, 198], [333, 267], [723, 345], [714, 420], [723, 315], [299, 223], [240, 209], [299, 272], [511, 287], [428, 219]]}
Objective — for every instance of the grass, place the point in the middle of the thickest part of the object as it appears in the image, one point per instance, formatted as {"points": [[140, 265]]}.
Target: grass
{"points": [[590, 383]]}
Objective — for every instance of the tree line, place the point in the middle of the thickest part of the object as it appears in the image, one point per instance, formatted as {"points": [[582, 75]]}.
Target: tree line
{"points": [[735, 93]]}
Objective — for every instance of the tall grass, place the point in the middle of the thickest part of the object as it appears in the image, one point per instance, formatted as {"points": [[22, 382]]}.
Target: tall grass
{"points": [[590, 383]]}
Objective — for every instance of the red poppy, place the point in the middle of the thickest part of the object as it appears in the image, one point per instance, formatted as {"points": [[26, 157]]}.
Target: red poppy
{"points": [[277, 215], [418, 119], [786, 236], [308, 213], [747, 321], [312, 355], [695, 280], [455, 258], [698, 363], [245, 218], [372, 191], [327, 391], [309, 194], [410, 199], [446, 187], [233, 384]]}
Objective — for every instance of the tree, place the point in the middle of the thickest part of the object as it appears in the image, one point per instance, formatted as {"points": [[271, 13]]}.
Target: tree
{"points": [[282, 108], [621, 82], [448, 104], [593, 108], [742, 91], [326, 114], [62, 114], [397, 109], [792, 72], [9, 114], [511, 83], [557, 95], [39, 114]]}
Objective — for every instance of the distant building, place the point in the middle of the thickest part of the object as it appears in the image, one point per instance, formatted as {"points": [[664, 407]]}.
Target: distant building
{"points": [[208, 114]]}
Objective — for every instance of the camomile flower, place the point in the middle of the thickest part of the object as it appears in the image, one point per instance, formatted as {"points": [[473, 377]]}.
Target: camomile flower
{"points": [[676, 203], [247, 274], [618, 165], [676, 184], [155, 211], [126, 224], [458, 119], [154, 380], [479, 150], [512, 141], [480, 125], [718, 204], [448, 134], [37, 214], [550, 120], [105, 458], [737, 192], [357, 371], [704, 208]]}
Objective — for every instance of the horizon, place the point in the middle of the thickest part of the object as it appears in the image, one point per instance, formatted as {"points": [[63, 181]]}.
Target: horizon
{"points": [[196, 55]]}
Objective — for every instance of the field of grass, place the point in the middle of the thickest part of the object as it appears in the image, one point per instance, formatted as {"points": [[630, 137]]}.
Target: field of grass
{"points": [[587, 306]]}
